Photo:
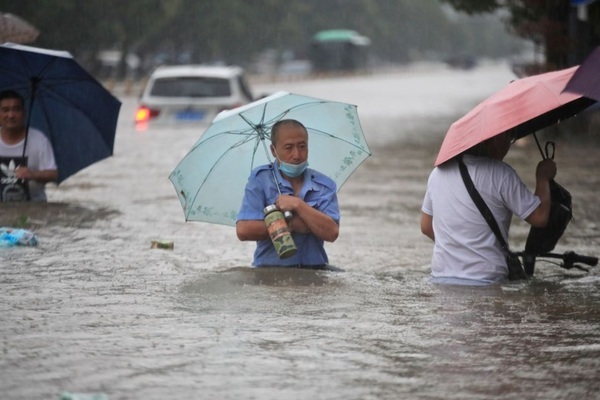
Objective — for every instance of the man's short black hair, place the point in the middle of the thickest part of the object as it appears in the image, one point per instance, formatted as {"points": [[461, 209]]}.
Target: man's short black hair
{"points": [[284, 122], [11, 94]]}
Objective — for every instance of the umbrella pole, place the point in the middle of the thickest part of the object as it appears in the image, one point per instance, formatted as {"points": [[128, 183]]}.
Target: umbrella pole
{"points": [[34, 83], [287, 214], [272, 165], [539, 147]]}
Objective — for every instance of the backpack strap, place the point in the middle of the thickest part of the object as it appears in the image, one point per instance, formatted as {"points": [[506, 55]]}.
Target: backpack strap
{"points": [[480, 203]]}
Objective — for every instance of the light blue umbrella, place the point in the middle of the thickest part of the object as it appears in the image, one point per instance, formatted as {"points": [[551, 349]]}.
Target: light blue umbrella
{"points": [[211, 178]]}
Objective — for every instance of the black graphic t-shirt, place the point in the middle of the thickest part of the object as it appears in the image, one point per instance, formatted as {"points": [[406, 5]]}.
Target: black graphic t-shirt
{"points": [[12, 188]]}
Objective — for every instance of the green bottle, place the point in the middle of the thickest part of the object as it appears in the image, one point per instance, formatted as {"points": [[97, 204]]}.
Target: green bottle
{"points": [[279, 232]]}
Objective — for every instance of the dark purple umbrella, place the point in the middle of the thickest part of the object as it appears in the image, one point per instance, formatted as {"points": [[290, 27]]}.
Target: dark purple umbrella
{"points": [[586, 80]]}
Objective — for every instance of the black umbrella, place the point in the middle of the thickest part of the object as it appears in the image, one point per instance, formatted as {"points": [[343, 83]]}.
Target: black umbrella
{"points": [[65, 102]]}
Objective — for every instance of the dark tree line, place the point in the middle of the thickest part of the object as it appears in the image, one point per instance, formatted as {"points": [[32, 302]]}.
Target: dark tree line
{"points": [[557, 26], [237, 31]]}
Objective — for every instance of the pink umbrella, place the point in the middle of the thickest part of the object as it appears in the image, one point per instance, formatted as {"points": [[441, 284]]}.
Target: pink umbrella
{"points": [[523, 106]]}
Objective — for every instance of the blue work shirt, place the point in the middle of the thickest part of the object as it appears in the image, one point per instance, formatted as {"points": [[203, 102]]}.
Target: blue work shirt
{"points": [[318, 191]]}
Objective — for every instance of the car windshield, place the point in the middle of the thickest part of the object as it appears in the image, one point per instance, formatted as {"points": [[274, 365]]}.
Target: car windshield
{"points": [[191, 87]]}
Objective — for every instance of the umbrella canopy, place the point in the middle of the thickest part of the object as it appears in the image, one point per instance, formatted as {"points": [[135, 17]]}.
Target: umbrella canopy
{"points": [[67, 104], [211, 178], [16, 30], [524, 106], [586, 80]]}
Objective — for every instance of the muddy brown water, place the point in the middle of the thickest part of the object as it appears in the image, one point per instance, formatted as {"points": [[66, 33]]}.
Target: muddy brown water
{"points": [[93, 309]]}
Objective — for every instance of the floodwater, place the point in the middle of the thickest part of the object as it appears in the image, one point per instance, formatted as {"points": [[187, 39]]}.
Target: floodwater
{"points": [[93, 309]]}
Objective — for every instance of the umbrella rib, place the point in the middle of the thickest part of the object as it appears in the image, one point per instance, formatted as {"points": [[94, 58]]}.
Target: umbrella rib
{"points": [[318, 131], [52, 60], [248, 134], [75, 106], [48, 84], [218, 161], [244, 133], [257, 128]]}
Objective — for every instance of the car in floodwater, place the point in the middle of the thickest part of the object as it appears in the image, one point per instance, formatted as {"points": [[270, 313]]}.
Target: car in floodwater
{"points": [[191, 93]]}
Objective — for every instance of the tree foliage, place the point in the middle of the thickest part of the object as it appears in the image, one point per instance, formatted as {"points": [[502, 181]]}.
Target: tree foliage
{"points": [[238, 31], [551, 24]]}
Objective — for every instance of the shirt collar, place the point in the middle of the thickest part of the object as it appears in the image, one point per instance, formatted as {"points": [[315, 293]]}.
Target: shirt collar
{"points": [[307, 185]]}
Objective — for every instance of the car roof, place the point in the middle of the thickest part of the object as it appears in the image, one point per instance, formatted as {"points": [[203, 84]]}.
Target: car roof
{"points": [[197, 70]]}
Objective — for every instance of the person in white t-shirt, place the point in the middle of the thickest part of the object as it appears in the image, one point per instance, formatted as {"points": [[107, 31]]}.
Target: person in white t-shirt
{"points": [[41, 165], [466, 250]]}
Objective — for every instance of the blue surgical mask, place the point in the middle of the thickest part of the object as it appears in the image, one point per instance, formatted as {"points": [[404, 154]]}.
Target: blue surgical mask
{"points": [[292, 170]]}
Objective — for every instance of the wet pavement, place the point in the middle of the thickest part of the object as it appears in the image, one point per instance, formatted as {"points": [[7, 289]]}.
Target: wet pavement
{"points": [[93, 309]]}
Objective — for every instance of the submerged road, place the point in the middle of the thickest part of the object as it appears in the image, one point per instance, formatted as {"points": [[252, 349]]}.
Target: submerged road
{"points": [[93, 309]]}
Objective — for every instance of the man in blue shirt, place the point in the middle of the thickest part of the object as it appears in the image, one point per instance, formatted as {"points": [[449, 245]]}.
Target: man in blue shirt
{"points": [[308, 194]]}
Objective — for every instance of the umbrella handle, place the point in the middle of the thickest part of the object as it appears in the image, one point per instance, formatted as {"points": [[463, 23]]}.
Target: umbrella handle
{"points": [[550, 146]]}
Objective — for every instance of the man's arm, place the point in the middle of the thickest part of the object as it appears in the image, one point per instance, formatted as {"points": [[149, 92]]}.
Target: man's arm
{"points": [[427, 226], [545, 171], [49, 175], [252, 230], [308, 219]]}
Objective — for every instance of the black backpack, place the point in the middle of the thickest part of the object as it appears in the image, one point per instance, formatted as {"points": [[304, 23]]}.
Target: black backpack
{"points": [[543, 240]]}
